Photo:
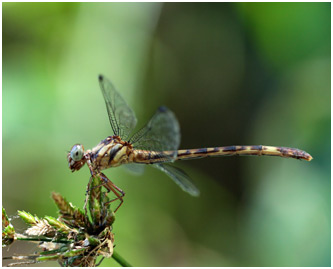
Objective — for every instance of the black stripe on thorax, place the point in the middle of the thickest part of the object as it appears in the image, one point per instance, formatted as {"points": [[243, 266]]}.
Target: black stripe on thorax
{"points": [[102, 144], [106, 141], [113, 152]]}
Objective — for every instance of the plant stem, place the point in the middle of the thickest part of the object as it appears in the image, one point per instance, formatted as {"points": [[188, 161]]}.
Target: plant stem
{"points": [[120, 260]]}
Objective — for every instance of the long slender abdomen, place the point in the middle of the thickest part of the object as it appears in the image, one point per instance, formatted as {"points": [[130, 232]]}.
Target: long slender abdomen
{"points": [[243, 150], [150, 157]]}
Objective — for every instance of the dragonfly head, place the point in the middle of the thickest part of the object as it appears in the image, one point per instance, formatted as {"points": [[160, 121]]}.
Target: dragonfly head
{"points": [[76, 158]]}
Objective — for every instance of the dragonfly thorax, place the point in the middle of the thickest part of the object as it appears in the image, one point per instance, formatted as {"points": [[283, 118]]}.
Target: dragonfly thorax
{"points": [[110, 152]]}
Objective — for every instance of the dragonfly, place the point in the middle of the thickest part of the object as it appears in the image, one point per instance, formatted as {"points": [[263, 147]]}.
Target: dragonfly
{"points": [[156, 144]]}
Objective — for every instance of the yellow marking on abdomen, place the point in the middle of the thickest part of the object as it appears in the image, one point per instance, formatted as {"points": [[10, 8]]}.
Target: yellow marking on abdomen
{"points": [[143, 156], [244, 150]]}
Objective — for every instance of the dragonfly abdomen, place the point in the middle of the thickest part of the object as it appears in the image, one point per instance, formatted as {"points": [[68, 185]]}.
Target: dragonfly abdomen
{"points": [[243, 150], [150, 157]]}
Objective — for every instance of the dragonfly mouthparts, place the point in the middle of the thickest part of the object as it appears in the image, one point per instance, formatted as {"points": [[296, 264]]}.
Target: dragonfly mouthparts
{"points": [[75, 165]]}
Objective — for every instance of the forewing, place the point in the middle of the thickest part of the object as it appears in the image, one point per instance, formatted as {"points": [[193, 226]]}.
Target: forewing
{"points": [[162, 133], [121, 116], [179, 177]]}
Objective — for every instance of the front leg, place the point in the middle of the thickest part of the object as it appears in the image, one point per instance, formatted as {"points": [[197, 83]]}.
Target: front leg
{"points": [[107, 183]]}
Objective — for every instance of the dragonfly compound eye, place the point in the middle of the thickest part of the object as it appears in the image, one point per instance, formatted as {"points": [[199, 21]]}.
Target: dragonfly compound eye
{"points": [[77, 152]]}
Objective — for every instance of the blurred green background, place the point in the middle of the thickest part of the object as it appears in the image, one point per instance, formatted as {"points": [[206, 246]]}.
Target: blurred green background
{"points": [[233, 73]]}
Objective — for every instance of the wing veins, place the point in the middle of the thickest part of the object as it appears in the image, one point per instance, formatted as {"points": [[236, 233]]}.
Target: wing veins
{"points": [[121, 116]]}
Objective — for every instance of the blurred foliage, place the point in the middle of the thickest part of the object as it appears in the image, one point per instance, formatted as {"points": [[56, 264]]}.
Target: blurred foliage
{"points": [[77, 238], [233, 73]]}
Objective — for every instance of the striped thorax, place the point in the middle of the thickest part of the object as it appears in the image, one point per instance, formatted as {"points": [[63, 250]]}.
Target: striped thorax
{"points": [[111, 152]]}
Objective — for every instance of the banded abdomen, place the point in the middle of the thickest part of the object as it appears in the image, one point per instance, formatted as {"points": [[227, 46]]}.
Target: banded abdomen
{"points": [[244, 150], [143, 156]]}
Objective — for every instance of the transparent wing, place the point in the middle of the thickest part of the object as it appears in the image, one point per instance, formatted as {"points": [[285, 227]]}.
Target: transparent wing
{"points": [[179, 177], [162, 133], [135, 168], [121, 116]]}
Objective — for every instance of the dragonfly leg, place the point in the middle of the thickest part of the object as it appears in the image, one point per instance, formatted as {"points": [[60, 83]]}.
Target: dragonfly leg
{"points": [[112, 187]]}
